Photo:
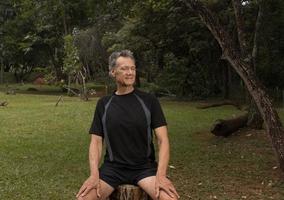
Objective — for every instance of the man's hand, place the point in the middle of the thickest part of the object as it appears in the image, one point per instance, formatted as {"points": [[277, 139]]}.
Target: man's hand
{"points": [[93, 182], [163, 183]]}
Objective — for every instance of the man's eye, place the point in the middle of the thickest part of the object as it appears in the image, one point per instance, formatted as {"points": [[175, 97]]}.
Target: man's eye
{"points": [[128, 68]]}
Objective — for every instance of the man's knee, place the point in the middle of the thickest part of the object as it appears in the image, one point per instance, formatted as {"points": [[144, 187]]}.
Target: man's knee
{"points": [[87, 197], [165, 196], [80, 198], [90, 196]]}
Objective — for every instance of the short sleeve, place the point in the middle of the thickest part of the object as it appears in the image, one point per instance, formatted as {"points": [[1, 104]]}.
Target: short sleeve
{"points": [[157, 115], [97, 126]]}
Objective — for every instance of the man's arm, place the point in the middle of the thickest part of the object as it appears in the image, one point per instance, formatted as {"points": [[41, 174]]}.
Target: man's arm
{"points": [[164, 150], [95, 151], [162, 182]]}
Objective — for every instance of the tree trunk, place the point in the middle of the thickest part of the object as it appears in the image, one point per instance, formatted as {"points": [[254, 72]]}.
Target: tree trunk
{"points": [[84, 94], [55, 63], [129, 192], [69, 84], [271, 119], [226, 90], [256, 36], [88, 71], [241, 29], [1, 72], [255, 120]]}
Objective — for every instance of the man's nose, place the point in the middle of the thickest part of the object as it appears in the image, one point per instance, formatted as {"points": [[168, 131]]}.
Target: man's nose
{"points": [[129, 71]]}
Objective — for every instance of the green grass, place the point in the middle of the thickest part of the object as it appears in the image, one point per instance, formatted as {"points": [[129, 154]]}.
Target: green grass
{"points": [[44, 151]]}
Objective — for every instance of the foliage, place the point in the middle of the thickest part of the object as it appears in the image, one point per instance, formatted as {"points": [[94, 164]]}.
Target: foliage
{"points": [[183, 79], [271, 63], [71, 63], [172, 47]]}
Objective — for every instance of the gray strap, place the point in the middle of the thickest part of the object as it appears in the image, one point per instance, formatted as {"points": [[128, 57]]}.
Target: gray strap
{"points": [[105, 130], [148, 118]]}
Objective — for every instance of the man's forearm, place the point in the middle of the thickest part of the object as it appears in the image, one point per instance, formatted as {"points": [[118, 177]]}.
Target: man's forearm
{"points": [[95, 151], [164, 156], [162, 182]]}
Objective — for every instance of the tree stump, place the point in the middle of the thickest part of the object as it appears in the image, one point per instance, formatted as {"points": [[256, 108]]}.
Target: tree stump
{"points": [[129, 192]]}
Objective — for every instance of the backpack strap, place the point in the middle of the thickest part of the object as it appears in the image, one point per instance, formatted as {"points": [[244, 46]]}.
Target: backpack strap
{"points": [[148, 118], [105, 129]]}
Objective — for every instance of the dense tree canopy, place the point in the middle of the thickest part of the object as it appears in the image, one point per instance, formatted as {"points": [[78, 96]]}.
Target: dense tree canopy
{"points": [[173, 48]]}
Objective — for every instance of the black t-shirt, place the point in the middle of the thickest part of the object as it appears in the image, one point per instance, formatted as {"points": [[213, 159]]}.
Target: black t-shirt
{"points": [[126, 126]]}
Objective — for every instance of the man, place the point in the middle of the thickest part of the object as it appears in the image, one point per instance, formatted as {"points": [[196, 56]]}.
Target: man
{"points": [[125, 120]]}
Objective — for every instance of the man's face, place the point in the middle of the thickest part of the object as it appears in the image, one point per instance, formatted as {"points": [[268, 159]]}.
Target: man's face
{"points": [[125, 71]]}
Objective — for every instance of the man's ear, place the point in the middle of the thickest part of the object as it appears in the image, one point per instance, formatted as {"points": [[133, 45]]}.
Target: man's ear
{"points": [[112, 73]]}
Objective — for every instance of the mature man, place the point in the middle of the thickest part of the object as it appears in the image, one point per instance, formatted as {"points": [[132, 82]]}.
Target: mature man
{"points": [[125, 120]]}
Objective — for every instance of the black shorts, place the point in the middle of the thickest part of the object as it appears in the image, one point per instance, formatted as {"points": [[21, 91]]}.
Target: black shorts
{"points": [[116, 175]]}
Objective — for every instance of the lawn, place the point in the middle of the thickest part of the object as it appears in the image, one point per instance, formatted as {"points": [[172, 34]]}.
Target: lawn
{"points": [[44, 151]]}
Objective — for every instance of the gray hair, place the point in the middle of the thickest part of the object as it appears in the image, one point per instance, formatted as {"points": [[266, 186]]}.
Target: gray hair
{"points": [[115, 55]]}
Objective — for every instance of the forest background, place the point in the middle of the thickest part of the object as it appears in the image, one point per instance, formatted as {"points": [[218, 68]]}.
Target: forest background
{"points": [[64, 45], [176, 54]]}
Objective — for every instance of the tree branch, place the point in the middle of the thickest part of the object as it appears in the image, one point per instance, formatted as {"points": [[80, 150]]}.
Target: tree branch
{"points": [[256, 35], [213, 24], [241, 29]]}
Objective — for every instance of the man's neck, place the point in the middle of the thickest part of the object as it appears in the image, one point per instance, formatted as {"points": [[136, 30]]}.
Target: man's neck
{"points": [[124, 90]]}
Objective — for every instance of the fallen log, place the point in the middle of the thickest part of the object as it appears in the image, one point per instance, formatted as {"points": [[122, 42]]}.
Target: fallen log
{"points": [[216, 104], [74, 91], [225, 127], [129, 192]]}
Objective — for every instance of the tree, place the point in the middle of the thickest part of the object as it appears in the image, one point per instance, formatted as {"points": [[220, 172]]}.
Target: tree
{"points": [[34, 36], [15, 46], [254, 119], [270, 65], [168, 55], [231, 53], [5, 13], [72, 65]]}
